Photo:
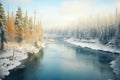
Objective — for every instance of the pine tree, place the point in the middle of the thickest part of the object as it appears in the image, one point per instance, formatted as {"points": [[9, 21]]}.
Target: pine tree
{"points": [[19, 26], [2, 14], [25, 20], [2, 27], [30, 24], [118, 36], [117, 40]]}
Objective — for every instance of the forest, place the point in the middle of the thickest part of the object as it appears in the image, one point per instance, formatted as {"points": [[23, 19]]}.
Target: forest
{"points": [[18, 28], [105, 28], [19, 35]]}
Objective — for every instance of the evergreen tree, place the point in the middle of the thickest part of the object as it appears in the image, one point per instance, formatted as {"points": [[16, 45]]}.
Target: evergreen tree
{"points": [[118, 36], [30, 24], [19, 26], [117, 40], [2, 27], [2, 15], [25, 20]]}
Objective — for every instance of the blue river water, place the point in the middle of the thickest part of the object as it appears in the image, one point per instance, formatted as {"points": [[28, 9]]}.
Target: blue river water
{"points": [[62, 61]]}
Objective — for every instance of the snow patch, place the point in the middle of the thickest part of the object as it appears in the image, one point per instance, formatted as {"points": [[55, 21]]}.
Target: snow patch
{"points": [[10, 60], [93, 44], [13, 55], [115, 65]]}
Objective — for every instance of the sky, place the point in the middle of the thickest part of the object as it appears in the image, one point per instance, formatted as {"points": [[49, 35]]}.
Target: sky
{"points": [[60, 13]]}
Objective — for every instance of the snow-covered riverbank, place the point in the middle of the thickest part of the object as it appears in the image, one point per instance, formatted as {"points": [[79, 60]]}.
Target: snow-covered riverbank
{"points": [[13, 55], [115, 64], [93, 44]]}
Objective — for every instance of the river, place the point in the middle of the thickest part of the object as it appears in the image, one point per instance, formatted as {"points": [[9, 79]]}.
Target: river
{"points": [[63, 61]]}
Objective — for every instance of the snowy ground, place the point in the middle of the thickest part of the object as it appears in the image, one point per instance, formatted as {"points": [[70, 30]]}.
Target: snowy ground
{"points": [[13, 55], [95, 44], [9, 59], [115, 64]]}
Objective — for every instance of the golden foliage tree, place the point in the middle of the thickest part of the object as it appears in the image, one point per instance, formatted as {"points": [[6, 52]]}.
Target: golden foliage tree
{"points": [[10, 28]]}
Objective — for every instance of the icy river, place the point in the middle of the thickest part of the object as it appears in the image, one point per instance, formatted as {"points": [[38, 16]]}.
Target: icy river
{"points": [[62, 61]]}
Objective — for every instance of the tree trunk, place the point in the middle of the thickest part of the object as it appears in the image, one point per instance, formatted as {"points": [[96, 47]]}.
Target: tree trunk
{"points": [[2, 45]]}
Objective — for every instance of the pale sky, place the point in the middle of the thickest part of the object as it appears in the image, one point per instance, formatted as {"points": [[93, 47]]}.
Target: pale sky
{"points": [[59, 13]]}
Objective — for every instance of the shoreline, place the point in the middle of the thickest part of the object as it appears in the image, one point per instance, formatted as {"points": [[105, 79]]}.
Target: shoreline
{"points": [[12, 57], [97, 46], [93, 44]]}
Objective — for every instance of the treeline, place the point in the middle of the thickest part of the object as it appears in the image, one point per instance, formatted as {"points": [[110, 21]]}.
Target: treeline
{"points": [[106, 29], [18, 28]]}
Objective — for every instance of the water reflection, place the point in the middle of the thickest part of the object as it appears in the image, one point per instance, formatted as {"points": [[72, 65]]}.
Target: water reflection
{"points": [[97, 61], [34, 59]]}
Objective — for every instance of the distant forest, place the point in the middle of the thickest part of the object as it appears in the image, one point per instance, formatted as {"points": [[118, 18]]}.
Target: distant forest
{"points": [[106, 29]]}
